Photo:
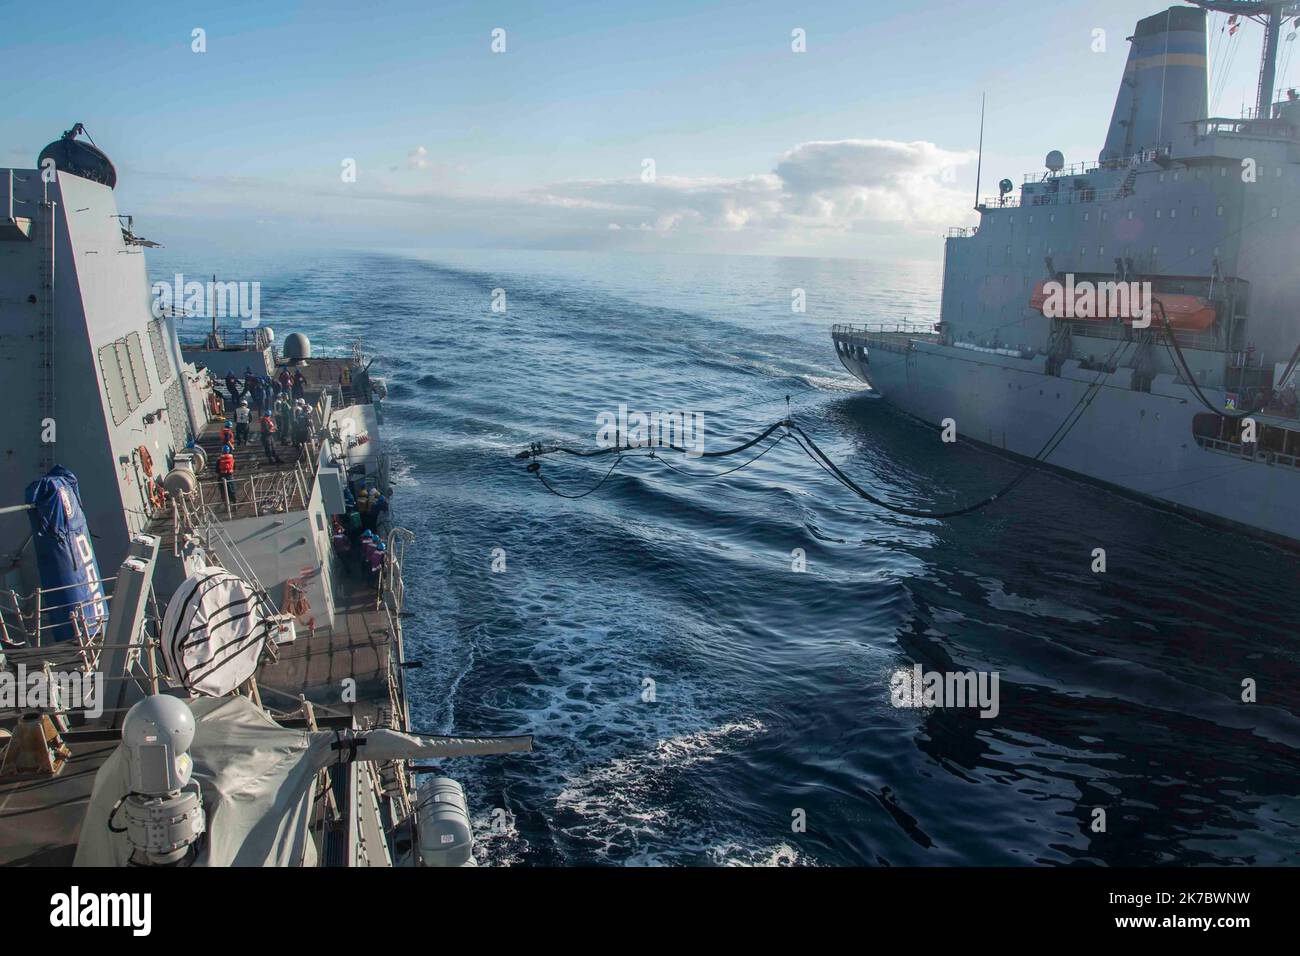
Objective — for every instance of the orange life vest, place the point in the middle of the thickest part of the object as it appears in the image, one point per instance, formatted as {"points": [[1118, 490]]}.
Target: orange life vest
{"points": [[226, 464]]}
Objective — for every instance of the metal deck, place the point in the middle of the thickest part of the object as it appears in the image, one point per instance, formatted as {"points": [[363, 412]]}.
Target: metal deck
{"points": [[40, 817]]}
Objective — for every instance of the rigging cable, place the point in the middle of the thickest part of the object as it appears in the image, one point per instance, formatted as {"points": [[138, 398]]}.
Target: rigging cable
{"points": [[1172, 340], [537, 470], [695, 474], [814, 452], [1053, 441]]}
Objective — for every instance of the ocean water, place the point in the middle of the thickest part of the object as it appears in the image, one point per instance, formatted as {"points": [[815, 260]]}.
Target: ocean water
{"points": [[771, 737]]}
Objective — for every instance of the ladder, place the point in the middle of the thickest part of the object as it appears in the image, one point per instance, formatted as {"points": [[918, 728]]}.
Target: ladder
{"points": [[46, 336], [1126, 187]]}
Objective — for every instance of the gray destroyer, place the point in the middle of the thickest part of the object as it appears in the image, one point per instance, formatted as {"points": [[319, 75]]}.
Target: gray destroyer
{"points": [[1192, 406], [202, 659]]}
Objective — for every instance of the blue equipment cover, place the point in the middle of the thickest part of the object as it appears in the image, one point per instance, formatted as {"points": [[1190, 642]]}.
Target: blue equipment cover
{"points": [[65, 557]]}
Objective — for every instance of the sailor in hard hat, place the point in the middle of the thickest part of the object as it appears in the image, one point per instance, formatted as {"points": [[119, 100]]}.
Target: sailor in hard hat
{"points": [[226, 469], [243, 415]]}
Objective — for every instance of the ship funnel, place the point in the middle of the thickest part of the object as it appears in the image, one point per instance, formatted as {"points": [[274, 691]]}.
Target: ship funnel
{"points": [[1164, 82]]}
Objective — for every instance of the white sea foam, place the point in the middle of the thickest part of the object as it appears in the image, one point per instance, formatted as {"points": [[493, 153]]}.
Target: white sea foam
{"points": [[624, 812]]}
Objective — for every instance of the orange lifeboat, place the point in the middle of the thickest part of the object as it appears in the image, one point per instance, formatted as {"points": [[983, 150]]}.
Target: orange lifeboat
{"points": [[1187, 313]]}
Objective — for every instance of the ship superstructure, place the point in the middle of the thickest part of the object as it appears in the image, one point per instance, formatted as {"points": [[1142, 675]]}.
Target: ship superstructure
{"points": [[1191, 405], [244, 594]]}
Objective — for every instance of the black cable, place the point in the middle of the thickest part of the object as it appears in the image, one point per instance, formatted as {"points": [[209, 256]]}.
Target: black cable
{"points": [[820, 458], [663, 461], [536, 468], [695, 474], [117, 806], [1191, 379], [537, 448]]}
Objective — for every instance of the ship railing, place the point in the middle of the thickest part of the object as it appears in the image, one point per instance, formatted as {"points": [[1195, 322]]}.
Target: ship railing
{"points": [[145, 675], [962, 232], [1150, 154], [1074, 169], [1245, 128], [235, 338], [210, 527], [392, 601], [22, 616], [899, 327], [1071, 197], [25, 632], [256, 495], [13, 200], [1248, 452], [1092, 329], [305, 707]]}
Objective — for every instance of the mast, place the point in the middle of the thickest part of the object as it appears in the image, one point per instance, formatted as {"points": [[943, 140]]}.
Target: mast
{"points": [[1268, 68], [1270, 14]]}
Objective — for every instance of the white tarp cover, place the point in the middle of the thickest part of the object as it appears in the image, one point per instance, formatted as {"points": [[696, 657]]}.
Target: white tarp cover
{"points": [[213, 632], [257, 780]]}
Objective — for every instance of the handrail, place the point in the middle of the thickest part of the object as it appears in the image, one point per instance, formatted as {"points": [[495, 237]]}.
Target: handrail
{"points": [[212, 525], [391, 599], [878, 328]]}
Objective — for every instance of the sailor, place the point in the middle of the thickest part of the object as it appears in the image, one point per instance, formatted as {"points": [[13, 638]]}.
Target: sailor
{"points": [[376, 559], [268, 443], [378, 509], [299, 385], [228, 433], [256, 392], [302, 424], [284, 416], [342, 546], [226, 469], [242, 417], [232, 386]]}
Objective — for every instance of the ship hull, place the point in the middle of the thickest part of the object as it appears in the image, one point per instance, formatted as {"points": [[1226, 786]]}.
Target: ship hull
{"points": [[1137, 443]]}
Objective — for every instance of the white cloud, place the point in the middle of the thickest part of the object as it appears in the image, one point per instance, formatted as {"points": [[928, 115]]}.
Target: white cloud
{"points": [[417, 158], [845, 197], [842, 186]]}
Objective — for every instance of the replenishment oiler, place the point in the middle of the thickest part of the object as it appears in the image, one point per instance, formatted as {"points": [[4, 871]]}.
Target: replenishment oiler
{"points": [[201, 605], [1186, 400]]}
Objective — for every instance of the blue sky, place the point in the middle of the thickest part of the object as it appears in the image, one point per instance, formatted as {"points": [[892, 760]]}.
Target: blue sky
{"points": [[543, 145]]}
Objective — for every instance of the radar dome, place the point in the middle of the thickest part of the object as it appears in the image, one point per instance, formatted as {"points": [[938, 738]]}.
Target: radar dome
{"points": [[71, 155], [297, 347], [1055, 161]]}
